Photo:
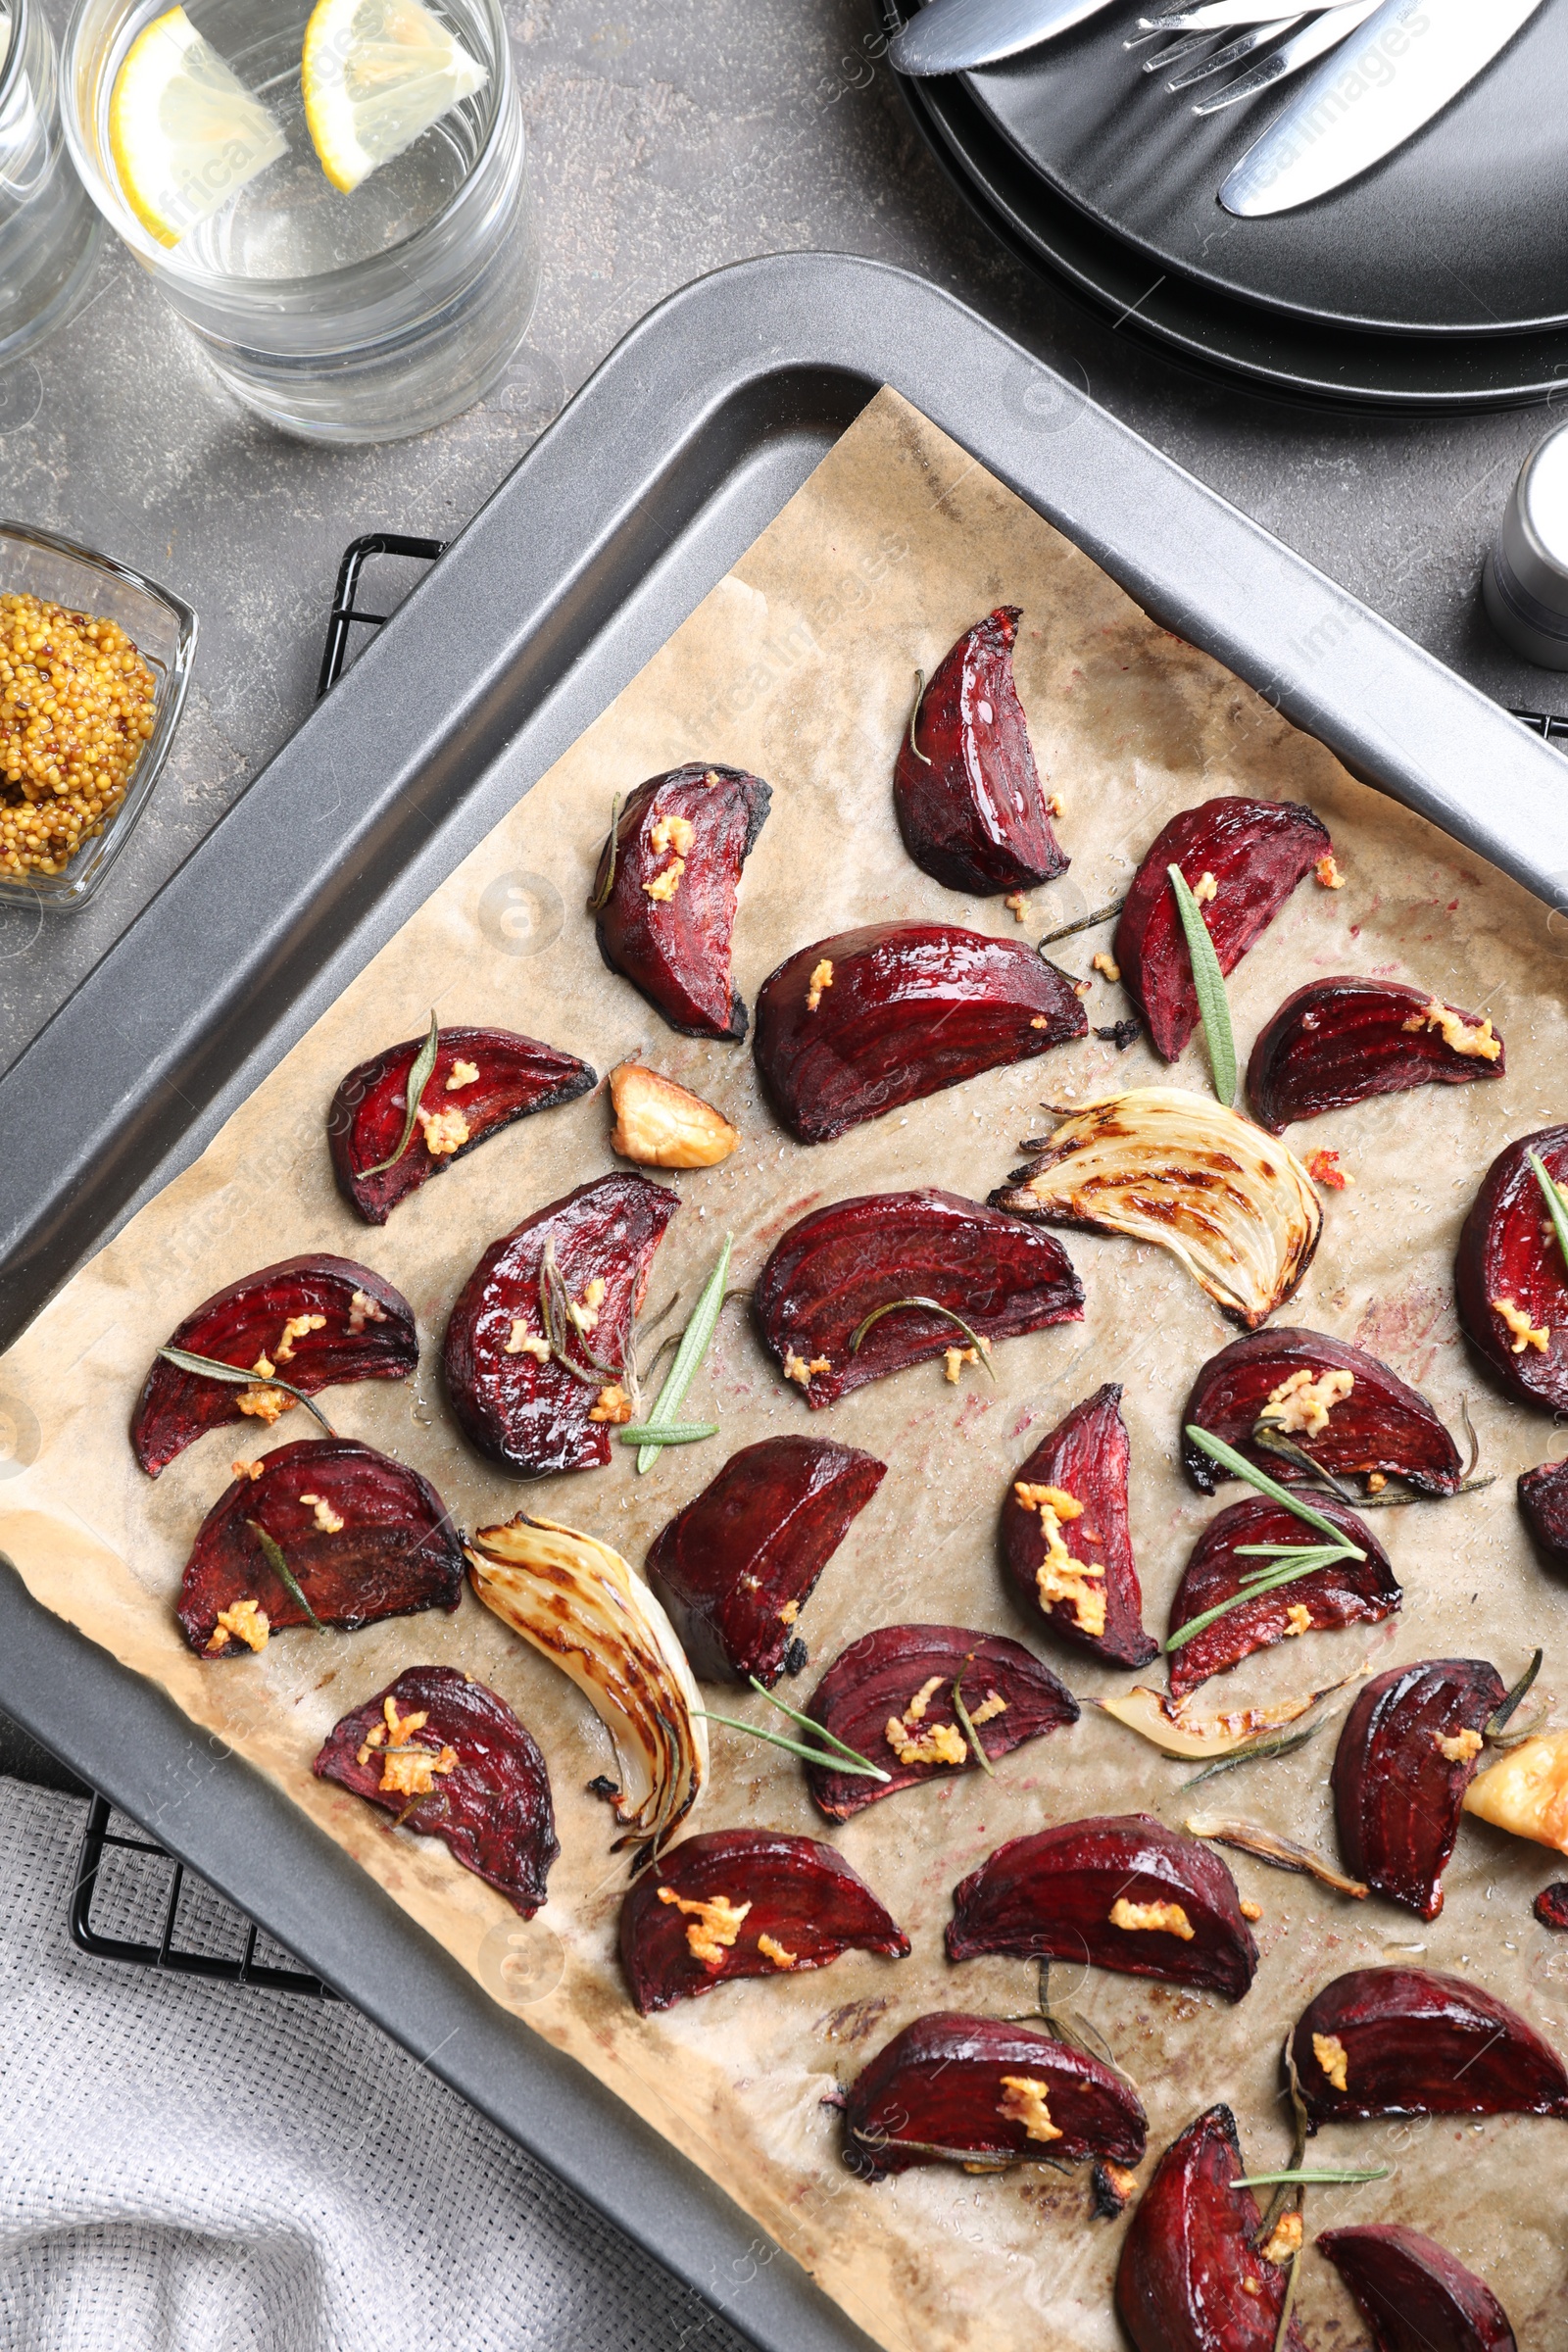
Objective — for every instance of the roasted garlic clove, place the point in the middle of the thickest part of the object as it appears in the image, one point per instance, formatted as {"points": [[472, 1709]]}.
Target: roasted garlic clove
{"points": [[317, 1321], [1349, 1592], [853, 1027], [1412, 2294], [1526, 1791], [1120, 1892], [452, 1761], [1242, 858], [483, 1080], [966, 788], [1190, 2277], [1338, 1405], [1406, 1755], [745, 1904], [665, 889], [1338, 1042], [1510, 1276], [660, 1125], [1161, 1165], [1407, 2041], [1171, 1725], [1065, 1535]]}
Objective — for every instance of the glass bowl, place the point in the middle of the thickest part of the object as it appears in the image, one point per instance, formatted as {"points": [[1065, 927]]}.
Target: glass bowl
{"points": [[163, 629]]}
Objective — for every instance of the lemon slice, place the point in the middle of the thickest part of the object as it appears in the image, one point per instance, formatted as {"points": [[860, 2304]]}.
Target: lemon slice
{"points": [[376, 74], [183, 129]]}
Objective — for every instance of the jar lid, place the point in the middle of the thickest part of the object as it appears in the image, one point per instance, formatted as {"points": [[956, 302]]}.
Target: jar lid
{"points": [[1526, 585]]}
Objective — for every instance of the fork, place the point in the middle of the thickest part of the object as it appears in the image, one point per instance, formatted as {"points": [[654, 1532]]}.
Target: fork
{"points": [[1302, 38]]}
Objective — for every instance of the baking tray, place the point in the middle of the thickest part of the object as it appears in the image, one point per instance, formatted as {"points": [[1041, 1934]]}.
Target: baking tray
{"points": [[676, 453]]}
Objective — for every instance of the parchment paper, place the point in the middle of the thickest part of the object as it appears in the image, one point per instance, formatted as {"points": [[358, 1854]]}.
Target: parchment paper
{"points": [[799, 664]]}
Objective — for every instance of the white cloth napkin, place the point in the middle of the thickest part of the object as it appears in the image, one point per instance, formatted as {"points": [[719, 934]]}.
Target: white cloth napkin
{"points": [[198, 2168]]}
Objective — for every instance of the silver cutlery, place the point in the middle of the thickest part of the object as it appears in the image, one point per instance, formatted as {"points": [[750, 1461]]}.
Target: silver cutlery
{"points": [[1215, 61], [1221, 16], [950, 37], [1304, 48]]}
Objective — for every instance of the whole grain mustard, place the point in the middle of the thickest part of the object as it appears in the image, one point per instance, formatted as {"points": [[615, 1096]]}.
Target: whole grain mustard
{"points": [[75, 708]]}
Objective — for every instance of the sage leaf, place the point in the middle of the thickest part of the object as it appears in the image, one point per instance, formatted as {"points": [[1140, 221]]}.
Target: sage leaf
{"points": [[419, 1080], [1209, 982]]}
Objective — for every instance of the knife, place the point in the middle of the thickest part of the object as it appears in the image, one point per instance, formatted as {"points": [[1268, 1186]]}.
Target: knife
{"points": [[1383, 84], [951, 35]]}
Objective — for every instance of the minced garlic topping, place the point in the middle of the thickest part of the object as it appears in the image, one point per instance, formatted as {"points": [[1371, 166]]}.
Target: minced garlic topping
{"points": [[586, 1314], [1331, 2054], [771, 1950], [1057, 804], [1328, 872], [613, 1405], [1475, 1040], [327, 1519], [242, 1621], [821, 978], [789, 1612], [1165, 1919], [1304, 1403], [362, 1310], [675, 833], [1018, 904], [264, 1404], [1459, 1746], [445, 1132], [797, 1368], [715, 1924], [1024, 2101], [524, 1342], [953, 1360], [410, 1771], [1298, 1619], [1205, 889], [1525, 1335], [1284, 2241], [1253, 1911], [991, 1707], [1040, 1022], [393, 1727], [463, 1073], [295, 1329], [249, 1469], [940, 1743], [667, 881], [1102, 963], [1060, 1577]]}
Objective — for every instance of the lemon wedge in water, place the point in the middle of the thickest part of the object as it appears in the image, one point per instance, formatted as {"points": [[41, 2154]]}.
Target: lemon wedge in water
{"points": [[183, 129], [376, 74]]}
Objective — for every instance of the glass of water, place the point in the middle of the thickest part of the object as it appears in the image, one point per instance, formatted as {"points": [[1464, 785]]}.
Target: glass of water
{"points": [[48, 231], [358, 316]]}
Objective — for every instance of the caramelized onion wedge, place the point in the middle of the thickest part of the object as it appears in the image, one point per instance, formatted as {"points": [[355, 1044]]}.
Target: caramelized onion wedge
{"points": [[666, 890], [853, 1027], [1076, 1566], [745, 1904], [1118, 1892], [1406, 1755], [1180, 1733], [1412, 2294], [1256, 853], [1338, 1042], [485, 1793], [1164, 1167], [1407, 2041], [1346, 1593], [1509, 1275], [578, 1602], [1365, 1420], [966, 789], [984, 2092], [1526, 1791], [1189, 2280]]}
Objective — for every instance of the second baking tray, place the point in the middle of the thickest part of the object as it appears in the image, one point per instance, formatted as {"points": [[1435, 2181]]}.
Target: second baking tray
{"points": [[675, 455]]}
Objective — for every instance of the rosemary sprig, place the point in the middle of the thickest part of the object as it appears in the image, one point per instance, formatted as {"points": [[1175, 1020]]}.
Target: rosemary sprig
{"points": [[848, 1760], [1084, 922], [419, 1079], [563, 1322], [654, 1433], [1239, 1467], [1274, 1441], [1556, 1207], [932, 1306], [600, 897], [1298, 1560], [210, 1367], [1209, 982], [1282, 2334], [1303, 2178], [694, 1344], [919, 697], [964, 1724], [1515, 1699], [809, 1723], [274, 1553], [1259, 1751]]}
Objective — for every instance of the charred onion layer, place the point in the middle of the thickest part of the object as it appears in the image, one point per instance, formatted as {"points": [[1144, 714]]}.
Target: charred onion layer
{"points": [[966, 788]]}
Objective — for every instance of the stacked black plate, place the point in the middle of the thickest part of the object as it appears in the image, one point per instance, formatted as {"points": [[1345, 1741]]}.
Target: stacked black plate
{"points": [[1439, 279]]}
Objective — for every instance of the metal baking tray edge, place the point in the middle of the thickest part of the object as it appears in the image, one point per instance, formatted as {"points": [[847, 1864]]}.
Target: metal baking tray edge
{"points": [[657, 475]]}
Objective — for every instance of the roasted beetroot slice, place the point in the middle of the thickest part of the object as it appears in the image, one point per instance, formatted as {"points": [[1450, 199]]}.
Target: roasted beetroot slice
{"points": [[1551, 1905], [1077, 1567], [965, 787], [1189, 2280], [745, 1904], [1350, 1593], [1510, 1259], [736, 1567], [983, 2089], [1407, 2041], [516, 1400], [1413, 2295], [365, 1332], [665, 889], [1338, 1042], [1258, 852], [1380, 1426], [1409, 1749], [851, 1027], [490, 1804], [901, 1680], [1544, 1507], [362, 1536], [513, 1077], [842, 1264], [1120, 1892]]}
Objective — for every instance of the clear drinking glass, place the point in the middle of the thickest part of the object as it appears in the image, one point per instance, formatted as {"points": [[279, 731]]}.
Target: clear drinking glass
{"points": [[342, 317], [48, 229]]}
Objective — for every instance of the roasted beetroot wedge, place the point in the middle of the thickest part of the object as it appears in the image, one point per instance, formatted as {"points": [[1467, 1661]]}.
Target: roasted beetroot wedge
{"points": [[318, 1321], [1349, 1592], [361, 1538], [1509, 1275], [536, 1347], [735, 1568], [1189, 2280], [1065, 1535], [930, 1267], [665, 889], [1121, 1892], [1338, 1042], [966, 788], [1550, 1906], [983, 2090], [452, 1761], [891, 1695], [1406, 1755], [1351, 1414], [1544, 1507], [851, 1027], [745, 1904], [1243, 859], [1414, 2295], [483, 1080], [1407, 2041]]}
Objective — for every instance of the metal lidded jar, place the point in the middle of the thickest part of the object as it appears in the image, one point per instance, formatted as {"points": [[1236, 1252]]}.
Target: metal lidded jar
{"points": [[1525, 585]]}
